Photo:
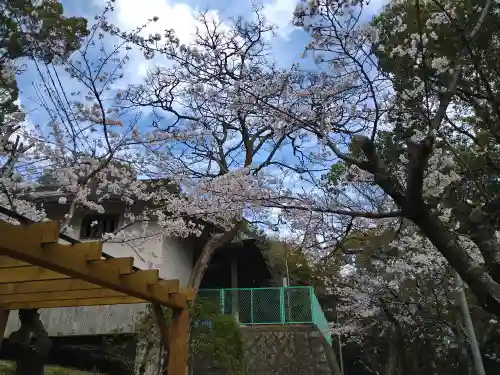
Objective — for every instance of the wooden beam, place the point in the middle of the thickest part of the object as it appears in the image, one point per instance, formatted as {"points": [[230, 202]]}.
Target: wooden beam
{"points": [[72, 303], [60, 295], [190, 293], [125, 266], [47, 232], [7, 262], [179, 333], [27, 248], [172, 285], [45, 286], [162, 325], [89, 250], [29, 273], [164, 330], [4, 318], [143, 277]]}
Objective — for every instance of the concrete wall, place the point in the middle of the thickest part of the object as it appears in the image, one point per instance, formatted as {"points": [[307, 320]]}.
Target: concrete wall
{"points": [[281, 350], [68, 321]]}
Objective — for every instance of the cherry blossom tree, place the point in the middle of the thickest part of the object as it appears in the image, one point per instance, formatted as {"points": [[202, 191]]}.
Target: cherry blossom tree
{"points": [[389, 129], [187, 149], [86, 146], [411, 137], [218, 142]]}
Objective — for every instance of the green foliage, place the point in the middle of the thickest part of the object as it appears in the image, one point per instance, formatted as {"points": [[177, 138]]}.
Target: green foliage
{"points": [[251, 229], [337, 170], [445, 41], [279, 255], [9, 368], [220, 341], [215, 337], [37, 30]]}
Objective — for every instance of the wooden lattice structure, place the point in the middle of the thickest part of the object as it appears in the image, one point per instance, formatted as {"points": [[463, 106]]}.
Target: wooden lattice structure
{"points": [[38, 272]]}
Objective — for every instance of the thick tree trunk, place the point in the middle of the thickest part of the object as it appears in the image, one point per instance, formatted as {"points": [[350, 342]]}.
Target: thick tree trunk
{"points": [[32, 344], [206, 255], [391, 364], [483, 281], [204, 259], [448, 244]]}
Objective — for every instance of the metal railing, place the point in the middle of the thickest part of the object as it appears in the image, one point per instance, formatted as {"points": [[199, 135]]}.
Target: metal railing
{"points": [[260, 306]]}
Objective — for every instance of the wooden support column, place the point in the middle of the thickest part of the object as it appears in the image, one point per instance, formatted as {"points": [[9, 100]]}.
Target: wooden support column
{"points": [[4, 318], [179, 341], [164, 332], [235, 303], [162, 325]]}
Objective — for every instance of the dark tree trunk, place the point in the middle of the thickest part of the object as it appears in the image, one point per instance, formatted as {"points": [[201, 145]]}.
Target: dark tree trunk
{"points": [[31, 343]]}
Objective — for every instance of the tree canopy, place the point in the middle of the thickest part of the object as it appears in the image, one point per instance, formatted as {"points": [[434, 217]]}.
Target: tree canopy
{"points": [[375, 156]]}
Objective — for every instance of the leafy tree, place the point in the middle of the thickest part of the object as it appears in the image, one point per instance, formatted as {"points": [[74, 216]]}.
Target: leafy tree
{"points": [[392, 298], [382, 163], [37, 30], [216, 340], [390, 104]]}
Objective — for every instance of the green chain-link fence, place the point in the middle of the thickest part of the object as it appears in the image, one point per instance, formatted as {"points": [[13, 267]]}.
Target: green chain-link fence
{"points": [[282, 305]]}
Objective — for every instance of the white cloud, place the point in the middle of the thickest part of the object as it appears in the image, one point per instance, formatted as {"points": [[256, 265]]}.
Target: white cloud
{"points": [[280, 13], [180, 17], [129, 15], [376, 6]]}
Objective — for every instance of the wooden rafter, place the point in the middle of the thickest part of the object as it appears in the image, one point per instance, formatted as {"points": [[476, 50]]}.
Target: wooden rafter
{"points": [[38, 272], [45, 286], [80, 302]]}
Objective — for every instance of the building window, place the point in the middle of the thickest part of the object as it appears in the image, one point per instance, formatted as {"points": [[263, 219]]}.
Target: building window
{"points": [[94, 226]]}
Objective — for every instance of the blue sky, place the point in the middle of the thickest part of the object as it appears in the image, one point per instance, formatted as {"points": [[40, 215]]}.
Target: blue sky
{"points": [[287, 45], [179, 15]]}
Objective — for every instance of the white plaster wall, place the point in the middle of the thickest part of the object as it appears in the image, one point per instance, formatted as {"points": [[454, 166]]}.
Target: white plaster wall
{"points": [[176, 261], [146, 252], [172, 257]]}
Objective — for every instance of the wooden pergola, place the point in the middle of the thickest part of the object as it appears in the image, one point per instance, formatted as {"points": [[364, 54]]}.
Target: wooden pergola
{"points": [[38, 272]]}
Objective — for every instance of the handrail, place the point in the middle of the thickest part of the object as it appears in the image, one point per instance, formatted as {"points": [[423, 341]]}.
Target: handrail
{"points": [[270, 305]]}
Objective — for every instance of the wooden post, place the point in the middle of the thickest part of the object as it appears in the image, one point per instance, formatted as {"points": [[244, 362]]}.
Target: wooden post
{"points": [[164, 332], [235, 303], [179, 337], [469, 327], [4, 318]]}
